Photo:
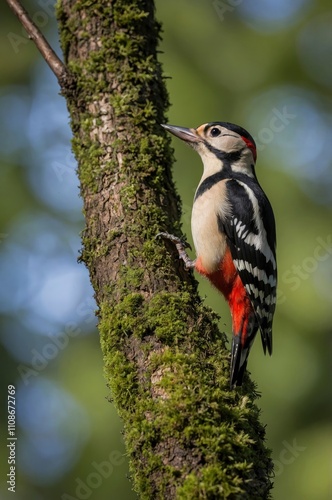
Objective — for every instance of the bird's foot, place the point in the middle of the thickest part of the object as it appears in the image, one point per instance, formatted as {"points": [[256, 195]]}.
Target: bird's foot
{"points": [[181, 246]]}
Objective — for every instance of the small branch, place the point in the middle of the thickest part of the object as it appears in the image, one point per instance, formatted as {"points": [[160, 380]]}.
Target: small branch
{"points": [[56, 65]]}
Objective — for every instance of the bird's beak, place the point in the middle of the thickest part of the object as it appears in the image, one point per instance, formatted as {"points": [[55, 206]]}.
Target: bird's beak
{"points": [[186, 134]]}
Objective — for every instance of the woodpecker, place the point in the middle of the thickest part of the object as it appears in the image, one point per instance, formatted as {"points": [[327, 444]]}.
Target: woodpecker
{"points": [[234, 235]]}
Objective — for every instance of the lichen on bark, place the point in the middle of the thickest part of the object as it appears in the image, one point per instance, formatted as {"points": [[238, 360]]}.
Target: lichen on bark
{"points": [[187, 435]]}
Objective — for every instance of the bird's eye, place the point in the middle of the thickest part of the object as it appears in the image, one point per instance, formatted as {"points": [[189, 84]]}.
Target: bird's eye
{"points": [[214, 132]]}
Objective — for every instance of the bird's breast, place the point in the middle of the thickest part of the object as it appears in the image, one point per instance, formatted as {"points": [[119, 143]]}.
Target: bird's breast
{"points": [[209, 241]]}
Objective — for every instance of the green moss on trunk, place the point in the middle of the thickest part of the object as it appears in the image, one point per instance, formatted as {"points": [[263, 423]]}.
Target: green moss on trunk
{"points": [[188, 436]]}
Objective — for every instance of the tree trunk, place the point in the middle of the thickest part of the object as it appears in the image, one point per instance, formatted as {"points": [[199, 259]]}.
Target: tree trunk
{"points": [[187, 435]]}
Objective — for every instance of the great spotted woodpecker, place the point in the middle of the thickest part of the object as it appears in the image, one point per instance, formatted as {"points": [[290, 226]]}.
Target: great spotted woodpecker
{"points": [[233, 230]]}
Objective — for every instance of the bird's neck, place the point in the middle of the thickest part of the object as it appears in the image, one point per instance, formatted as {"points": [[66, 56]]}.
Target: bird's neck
{"points": [[242, 165]]}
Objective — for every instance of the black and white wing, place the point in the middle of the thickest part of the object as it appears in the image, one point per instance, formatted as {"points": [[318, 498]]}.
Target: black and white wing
{"points": [[250, 231]]}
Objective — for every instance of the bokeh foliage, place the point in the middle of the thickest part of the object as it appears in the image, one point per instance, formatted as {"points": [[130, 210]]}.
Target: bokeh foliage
{"points": [[268, 70]]}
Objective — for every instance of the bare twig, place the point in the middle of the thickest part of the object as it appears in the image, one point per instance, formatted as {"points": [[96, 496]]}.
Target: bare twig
{"points": [[56, 65]]}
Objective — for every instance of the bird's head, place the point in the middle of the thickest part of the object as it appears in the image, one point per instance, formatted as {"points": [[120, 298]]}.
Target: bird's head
{"points": [[220, 142]]}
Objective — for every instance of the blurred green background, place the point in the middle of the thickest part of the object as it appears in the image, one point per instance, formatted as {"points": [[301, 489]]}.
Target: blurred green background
{"points": [[264, 65]]}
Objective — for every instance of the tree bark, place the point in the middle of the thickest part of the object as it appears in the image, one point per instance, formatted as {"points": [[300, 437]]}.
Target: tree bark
{"points": [[187, 435]]}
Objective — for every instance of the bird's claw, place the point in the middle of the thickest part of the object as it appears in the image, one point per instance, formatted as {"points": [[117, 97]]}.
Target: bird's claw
{"points": [[174, 239], [181, 246]]}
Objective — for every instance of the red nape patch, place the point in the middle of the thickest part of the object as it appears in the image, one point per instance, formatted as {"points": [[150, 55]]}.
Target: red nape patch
{"points": [[251, 146]]}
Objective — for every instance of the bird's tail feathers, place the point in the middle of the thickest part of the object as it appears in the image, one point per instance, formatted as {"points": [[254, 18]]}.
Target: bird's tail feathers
{"points": [[239, 358], [241, 345], [267, 341]]}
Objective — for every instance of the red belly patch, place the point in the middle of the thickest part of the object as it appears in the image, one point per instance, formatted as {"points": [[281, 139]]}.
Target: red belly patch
{"points": [[224, 278], [228, 282]]}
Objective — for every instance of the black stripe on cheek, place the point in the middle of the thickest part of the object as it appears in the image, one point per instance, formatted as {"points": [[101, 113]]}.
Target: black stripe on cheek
{"points": [[206, 128], [227, 158]]}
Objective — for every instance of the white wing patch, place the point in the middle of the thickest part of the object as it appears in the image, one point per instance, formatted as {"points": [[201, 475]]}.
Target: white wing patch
{"points": [[259, 241], [240, 228], [255, 271]]}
